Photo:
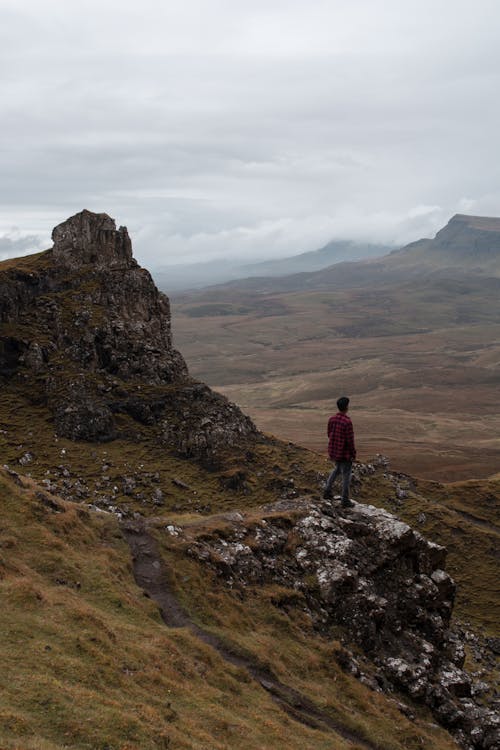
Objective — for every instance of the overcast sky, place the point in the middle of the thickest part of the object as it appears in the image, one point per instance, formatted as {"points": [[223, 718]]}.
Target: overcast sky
{"points": [[252, 128]]}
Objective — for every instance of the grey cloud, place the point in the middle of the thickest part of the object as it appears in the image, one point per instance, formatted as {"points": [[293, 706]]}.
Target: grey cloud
{"points": [[229, 127], [13, 245]]}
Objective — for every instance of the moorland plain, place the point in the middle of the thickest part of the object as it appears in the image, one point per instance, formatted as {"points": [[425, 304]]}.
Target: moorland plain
{"points": [[418, 358]]}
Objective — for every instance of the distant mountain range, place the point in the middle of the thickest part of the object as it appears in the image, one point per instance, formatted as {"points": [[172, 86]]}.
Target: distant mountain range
{"points": [[334, 252], [198, 275], [466, 246]]}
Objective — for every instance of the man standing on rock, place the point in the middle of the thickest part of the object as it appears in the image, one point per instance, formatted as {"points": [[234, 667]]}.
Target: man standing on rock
{"points": [[342, 450]]}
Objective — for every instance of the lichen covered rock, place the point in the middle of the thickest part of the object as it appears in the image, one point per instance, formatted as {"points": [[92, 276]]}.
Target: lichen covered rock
{"points": [[202, 424], [372, 575]]}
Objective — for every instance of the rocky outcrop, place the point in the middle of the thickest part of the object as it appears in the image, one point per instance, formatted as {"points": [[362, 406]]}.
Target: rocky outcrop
{"points": [[208, 424], [116, 321], [90, 324], [370, 574], [92, 239], [88, 300]]}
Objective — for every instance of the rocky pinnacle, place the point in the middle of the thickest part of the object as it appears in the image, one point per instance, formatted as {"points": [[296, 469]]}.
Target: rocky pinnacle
{"points": [[89, 238]]}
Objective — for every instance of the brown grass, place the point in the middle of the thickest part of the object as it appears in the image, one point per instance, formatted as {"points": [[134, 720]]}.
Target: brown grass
{"points": [[87, 663], [419, 362]]}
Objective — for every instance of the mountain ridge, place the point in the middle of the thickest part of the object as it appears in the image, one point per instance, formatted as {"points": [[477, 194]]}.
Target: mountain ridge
{"points": [[474, 241], [468, 238], [177, 278]]}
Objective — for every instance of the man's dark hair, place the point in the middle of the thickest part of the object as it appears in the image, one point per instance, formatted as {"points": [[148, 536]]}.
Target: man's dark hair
{"points": [[342, 403]]}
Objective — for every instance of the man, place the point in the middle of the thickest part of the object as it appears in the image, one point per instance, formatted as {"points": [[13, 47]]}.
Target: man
{"points": [[342, 450]]}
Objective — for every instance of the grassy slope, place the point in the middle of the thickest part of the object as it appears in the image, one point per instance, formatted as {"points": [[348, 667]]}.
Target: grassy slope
{"points": [[88, 664], [266, 474]]}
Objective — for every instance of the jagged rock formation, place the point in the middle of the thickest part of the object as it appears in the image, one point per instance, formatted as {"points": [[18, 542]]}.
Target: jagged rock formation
{"points": [[89, 238], [89, 322], [374, 576], [90, 300]]}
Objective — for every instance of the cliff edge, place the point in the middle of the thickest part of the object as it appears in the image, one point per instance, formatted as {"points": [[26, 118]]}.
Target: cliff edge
{"points": [[87, 328]]}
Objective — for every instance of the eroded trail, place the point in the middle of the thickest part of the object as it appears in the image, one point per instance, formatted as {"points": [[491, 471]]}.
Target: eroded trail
{"points": [[151, 575], [480, 522]]}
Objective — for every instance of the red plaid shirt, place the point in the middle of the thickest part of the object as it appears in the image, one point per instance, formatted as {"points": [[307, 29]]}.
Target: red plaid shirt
{"points": [[341, 438]]}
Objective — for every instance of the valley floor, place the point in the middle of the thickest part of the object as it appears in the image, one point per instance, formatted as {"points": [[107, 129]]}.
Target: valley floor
{"points": [[420, 365]]}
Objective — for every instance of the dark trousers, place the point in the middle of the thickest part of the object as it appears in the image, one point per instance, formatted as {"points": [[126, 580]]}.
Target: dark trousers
{"points": [[345, 469]]}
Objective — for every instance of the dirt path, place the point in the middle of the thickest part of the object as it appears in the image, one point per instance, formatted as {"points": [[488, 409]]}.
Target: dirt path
{"points": [[481, 523], [151, 575]]}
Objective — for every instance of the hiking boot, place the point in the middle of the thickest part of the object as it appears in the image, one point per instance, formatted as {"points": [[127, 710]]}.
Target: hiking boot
{"points": [[327, 495], [347, 504]]}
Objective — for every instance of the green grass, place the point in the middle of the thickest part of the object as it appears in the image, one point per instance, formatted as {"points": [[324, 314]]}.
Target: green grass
{"points": [[28, 263]]}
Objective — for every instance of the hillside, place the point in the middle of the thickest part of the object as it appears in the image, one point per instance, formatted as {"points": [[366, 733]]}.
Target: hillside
{"points": [[182, 276], [169, 574], [469, 243], [416, 344], [335, 251], [88, 663], [466, 245]]}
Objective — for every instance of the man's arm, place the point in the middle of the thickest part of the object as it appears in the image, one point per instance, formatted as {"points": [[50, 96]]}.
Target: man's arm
{"points": [[349, 439]]}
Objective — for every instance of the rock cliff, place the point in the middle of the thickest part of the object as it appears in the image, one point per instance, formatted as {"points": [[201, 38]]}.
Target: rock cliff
{"points": [[90, 325]]}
